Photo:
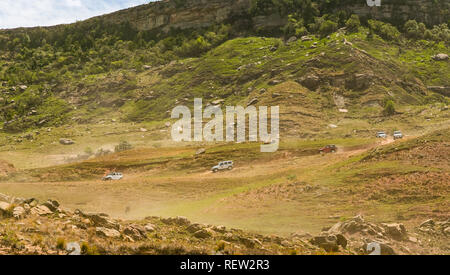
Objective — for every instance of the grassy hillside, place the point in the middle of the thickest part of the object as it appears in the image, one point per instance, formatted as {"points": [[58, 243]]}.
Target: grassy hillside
{"points": [[84, 72]]}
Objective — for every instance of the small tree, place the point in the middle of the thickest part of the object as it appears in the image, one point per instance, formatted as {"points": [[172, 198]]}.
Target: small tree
{"points": [[353, 23], [327, 27], [412, 29], [389, 108]]}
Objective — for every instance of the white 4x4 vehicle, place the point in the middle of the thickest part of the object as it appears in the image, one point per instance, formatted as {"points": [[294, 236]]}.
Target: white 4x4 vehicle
{"points": [[381, 135], [398, 135], [113, 176], [224, 165]]}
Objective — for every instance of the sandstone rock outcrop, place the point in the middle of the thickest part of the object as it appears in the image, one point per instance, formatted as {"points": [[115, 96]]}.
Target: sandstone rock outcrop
{"points": [[166, 15]]}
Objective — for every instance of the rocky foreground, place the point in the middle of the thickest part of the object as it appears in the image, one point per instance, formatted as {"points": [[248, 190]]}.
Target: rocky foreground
{"points": [[28, 226]]}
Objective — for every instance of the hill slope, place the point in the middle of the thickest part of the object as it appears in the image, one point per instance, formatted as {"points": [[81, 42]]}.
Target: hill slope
{"points": [[88, 70]]}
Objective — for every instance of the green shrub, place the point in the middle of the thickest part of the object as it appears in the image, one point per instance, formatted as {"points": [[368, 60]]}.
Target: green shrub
{"points": [[87, 249], [353, 23], [10, 238], [327, 27], [412, 30], [61, 244], [389, 108], [385, 30], [193, 47]]}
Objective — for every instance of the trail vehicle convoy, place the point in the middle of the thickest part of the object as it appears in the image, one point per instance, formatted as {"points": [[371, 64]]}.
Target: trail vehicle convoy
{"points": [[224, 165], [328, 149], [113, 176]]}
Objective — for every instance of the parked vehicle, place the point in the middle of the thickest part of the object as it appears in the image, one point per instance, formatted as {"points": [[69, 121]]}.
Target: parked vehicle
{"points": [[398, 135], [224, 165], [381, 135], [328, 149], [113, 176]]}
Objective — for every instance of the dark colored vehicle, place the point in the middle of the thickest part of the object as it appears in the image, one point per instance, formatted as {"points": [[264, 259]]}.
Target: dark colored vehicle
{"points": [[328, 149]]}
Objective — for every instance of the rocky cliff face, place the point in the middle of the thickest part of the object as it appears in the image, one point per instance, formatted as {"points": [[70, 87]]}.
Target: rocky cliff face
{"points": [[169, 14]]}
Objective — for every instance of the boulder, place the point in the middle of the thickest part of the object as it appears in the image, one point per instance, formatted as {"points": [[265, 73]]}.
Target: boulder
{"points": [[249, 242], [396, 231], [52, 205], [4, 206], [328, 243], [195, 227], [356, 225], [200, 151], [107, 232], [427, 223], [176, 221], [291, 39], [101, 220], [341, 240], [150, 227], [31, 202], [432, 227], [440, 57], [274, 82], [4, 198], [220, 228], [305, 38], [136, 232], [66, 141], [19, 212], [181, 221], [447, 231], [311, 82], [229, 237], [301, 235], [203, 234], [276, 95], [41, 210], [359, 82]]}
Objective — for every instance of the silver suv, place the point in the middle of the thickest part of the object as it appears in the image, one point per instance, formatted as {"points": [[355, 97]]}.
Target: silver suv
{"points": [[224, 165], [398, 135], [381, 135]]}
